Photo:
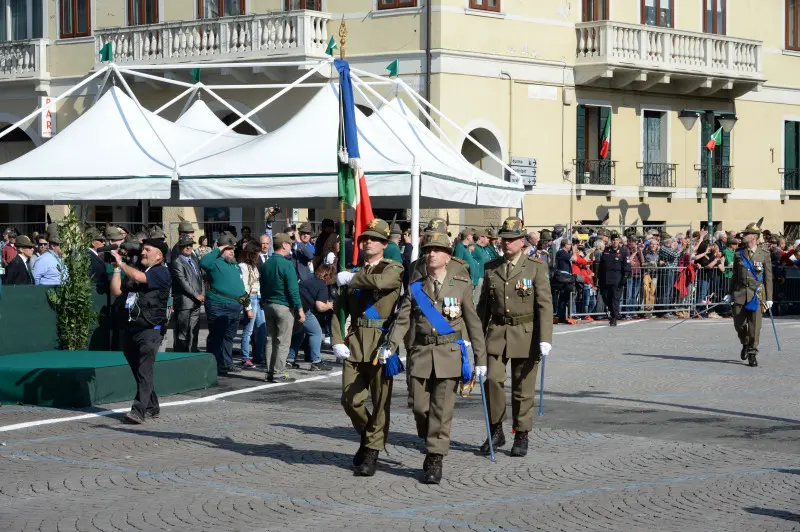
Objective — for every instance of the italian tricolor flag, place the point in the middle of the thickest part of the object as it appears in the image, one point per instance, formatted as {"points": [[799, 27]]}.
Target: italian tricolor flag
{"points": [[353, 189], [606, 143], [716, 138]]}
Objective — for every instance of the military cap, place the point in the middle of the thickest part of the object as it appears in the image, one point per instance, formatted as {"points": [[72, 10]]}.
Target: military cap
{"points": [[305, 227], [436, 225], [377, 228], [613, 235], [226, 239], [8, 231], [186, 227], [157, 232], [114, 233], [481, 231], [94, 234], [185, 240], [512, 228], [52, 234], [491, 232], [752, 229], [545, 235], [665, 235], [437, 240], [396, 230], [282, 238], [24, 242]]}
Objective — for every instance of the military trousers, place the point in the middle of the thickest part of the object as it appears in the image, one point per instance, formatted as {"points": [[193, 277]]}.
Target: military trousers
{"points": [[748, 325], [612, 297], [187, 330], [523, 390], [360, 381], [434, 401]]}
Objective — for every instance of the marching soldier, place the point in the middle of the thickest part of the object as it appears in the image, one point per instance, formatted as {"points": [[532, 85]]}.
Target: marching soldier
{"points": [[516, 308], [440, 315], [751, 292], [369, 298], [614, 269]]}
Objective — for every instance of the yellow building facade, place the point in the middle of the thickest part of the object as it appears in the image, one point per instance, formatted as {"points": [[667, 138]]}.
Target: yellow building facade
{"points": [[536, 82]]}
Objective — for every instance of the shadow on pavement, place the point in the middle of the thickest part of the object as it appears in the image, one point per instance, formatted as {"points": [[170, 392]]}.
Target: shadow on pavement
{"points": [[687, 359], [779, 514]]}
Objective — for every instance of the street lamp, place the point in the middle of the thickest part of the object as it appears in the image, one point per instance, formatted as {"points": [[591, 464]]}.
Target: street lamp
{"points": [[688, 118]]}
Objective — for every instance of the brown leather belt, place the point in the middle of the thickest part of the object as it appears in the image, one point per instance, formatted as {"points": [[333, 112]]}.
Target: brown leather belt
{"points": [[441, 339], [367, 323]]}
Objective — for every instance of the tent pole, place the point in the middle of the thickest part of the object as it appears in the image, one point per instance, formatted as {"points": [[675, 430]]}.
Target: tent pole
{"points": [[191, 90], [188, 103], [185, 84], [101, 87], [234, 110], [53, 102], [255, 110], [415, 192], [191, 66], [375, 110]]}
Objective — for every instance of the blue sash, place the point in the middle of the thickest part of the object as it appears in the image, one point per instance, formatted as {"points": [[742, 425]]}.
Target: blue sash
{"points": [[441, 324], [369, 308], [751, 305]]}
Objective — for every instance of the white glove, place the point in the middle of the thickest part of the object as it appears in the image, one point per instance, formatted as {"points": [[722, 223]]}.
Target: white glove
{"points": [[769, 305], [727, 299], [341, 351], [384, 353], [545, 348], [480, 371], [344, 278]]}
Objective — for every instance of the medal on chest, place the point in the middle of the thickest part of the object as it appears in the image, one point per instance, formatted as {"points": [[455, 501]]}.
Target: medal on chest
{"points": [[452, 307], [524, 287], [759, 266]]}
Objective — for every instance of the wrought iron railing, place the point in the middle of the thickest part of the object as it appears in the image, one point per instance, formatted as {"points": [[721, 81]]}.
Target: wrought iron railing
{"points": [[721, 176], [791, 179], [657, 174], [594, 172]]}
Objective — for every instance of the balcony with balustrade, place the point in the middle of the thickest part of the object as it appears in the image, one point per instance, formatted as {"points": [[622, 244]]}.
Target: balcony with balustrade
{"points": [[595, 176], [657, 179], [23, 60], [721, 180], [637, 57], [291, 35]]}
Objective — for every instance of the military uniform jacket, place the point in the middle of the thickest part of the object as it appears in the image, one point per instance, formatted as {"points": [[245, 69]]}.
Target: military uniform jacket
{"points": [[514, 317], [744, 285], [381, 285], [442, 360]]}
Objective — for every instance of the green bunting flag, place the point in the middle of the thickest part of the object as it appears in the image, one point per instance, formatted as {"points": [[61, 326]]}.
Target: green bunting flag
{"points": [[196, 74], [393, 68], [331, 46], [106, 53]]}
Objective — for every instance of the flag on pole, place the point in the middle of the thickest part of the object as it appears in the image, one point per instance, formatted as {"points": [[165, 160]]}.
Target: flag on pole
{"points": [[606, 145], [106, 52], [331, 46], [196, 74], [393, 68], [716, 138], [352, 181]]}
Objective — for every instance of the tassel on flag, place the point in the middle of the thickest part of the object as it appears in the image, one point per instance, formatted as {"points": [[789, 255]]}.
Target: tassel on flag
{"points": [[606, 145], [106, 53], [716, 138]]}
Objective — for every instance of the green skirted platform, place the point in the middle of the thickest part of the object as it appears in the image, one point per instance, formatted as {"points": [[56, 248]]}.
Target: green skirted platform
{"points": [[85, 378]]}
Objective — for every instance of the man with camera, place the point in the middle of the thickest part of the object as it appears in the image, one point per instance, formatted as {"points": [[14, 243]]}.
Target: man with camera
{"points": [[146, 292]]}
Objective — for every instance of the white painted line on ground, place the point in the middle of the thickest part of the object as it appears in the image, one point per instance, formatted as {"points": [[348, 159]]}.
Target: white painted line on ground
{"points": [[207, 399], [595, 327]]}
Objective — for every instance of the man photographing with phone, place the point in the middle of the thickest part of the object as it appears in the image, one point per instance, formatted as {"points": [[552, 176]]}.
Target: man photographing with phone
{"points": [[146, 293]]}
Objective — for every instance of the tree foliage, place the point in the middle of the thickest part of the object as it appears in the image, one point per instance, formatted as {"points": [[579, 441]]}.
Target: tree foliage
{"points": [[72, 299]]}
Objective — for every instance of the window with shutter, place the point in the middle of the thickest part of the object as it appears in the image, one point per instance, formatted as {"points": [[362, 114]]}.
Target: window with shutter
{"points": [[581, 130], [791, 155]]}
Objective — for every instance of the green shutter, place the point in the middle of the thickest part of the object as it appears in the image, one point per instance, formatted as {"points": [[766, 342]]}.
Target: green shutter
{"points": [[790, 130], [605, 114], [580, 152]]}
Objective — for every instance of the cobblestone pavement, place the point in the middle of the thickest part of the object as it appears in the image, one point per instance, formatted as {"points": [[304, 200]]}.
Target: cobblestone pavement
{"points": [[645, 428]]}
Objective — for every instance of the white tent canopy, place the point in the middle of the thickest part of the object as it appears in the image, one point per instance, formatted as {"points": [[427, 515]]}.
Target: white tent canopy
{"points": [[298, 162], [114, 151], [199, 116]]}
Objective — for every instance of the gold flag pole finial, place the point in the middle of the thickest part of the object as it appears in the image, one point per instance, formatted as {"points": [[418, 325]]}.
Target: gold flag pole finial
{"points": [[342, 38]]}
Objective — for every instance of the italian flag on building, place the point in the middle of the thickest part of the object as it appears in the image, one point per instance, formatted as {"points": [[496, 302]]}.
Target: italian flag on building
{"points": [[606, 142], [716, 138]]}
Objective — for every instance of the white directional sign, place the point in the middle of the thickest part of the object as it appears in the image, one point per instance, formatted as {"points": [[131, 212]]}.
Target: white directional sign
{"points": [[526, 168]]}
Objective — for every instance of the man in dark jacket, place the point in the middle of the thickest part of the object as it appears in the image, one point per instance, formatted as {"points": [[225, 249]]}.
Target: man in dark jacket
{"points": [[187, 295], [97, 268], [18, 271], [614, 269]]}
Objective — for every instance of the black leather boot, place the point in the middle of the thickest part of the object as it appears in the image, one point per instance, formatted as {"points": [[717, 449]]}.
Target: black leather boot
{"points": [[370, 464], [433, 473], [744, 352], [751, 358], [358, 459], [498, 439], [520, 447]]}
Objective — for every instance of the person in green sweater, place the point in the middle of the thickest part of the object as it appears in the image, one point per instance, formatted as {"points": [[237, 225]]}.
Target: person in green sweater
{"points": [[461, 251], [224, 300], [482, 254], [280, 296], [392, 251]]}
